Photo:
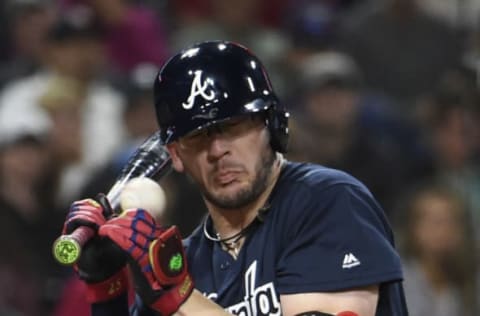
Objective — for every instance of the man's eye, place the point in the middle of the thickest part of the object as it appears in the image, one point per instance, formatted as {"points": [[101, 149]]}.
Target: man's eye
{"points": [[194, 136], [235, 123], [232, 123]]}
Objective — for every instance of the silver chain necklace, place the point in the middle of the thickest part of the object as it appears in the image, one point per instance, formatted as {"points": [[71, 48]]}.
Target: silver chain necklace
{"points": [[231, 243]]}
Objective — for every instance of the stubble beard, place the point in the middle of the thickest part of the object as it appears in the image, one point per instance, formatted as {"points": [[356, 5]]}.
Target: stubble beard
{"points": [[249, 194]]}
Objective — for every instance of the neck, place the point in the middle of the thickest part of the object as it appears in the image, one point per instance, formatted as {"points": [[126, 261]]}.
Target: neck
{"points": [[229, 222], [434, 273]]}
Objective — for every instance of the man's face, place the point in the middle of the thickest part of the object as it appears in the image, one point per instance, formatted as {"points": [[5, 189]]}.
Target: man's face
{"points": [[81, 58], [229, 162]]}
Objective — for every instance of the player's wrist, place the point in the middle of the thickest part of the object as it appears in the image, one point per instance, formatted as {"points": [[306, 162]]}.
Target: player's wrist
{"points": [[108, 289], [169, 301], [172, 280]]}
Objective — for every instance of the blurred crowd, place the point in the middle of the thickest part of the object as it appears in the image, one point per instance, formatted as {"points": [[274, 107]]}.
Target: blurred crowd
{"points": [[387, 90]]}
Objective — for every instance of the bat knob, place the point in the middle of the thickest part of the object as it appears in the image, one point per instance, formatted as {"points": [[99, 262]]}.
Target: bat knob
{"points": [[66, 250]]}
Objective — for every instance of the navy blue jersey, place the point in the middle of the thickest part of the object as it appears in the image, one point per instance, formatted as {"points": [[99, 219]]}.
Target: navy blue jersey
{"points": [[323, 232]]}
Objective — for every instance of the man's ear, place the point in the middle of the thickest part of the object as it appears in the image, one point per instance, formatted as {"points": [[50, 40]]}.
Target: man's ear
{"points": [[177, 163]]}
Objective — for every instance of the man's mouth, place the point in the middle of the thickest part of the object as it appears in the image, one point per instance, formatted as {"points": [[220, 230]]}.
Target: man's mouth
{"points": [[226, 177]]}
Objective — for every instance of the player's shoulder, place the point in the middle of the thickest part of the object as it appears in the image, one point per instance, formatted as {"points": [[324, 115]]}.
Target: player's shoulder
{"points": [[304, 189], [318, 197], [315, 177]]}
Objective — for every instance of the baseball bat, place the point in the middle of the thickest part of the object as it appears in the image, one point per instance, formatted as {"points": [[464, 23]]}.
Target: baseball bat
{"points": [[151, 160]]}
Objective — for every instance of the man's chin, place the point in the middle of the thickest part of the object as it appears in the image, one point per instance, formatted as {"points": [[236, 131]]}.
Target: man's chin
{"points": [[230, 197]]}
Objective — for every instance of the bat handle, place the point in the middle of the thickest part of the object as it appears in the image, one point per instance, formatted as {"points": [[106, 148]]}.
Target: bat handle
{"points": [[67, 248]]}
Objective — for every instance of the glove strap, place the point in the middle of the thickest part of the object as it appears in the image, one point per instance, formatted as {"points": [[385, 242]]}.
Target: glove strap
{"points": [[169, 266], [170, 300], [108, 289], [167, 258]]}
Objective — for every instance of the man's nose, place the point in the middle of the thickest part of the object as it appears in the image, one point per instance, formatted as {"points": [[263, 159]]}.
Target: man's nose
{"points": [[218, 146]]}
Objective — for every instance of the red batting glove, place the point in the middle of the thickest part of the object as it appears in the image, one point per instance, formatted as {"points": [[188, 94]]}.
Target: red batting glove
{"points": [[86, 212], [157, 259], [102, 265]]}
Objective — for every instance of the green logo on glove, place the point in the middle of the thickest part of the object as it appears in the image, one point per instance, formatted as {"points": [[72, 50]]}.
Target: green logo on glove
{"points": [[176, 262]]}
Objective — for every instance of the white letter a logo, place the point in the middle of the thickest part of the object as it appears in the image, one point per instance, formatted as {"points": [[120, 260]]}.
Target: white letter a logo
{"points": [[198, 88]]}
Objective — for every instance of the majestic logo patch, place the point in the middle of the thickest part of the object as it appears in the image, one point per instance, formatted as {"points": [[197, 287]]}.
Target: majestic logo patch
{"points": [[350, 261], [199, 88]]}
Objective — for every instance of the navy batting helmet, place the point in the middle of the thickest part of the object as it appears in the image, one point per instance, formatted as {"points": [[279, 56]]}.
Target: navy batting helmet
{"points": [[211, 82]]}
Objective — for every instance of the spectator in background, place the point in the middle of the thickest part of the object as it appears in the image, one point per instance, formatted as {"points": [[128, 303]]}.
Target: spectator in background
{"points": [[238, 21], [461, 14], [139, 114], [133, 34], [440, 261], [402, 51], [27, 220], [74, 51], [26, 28], [471, 58], [313, 27], [310, 27], [63, 101], [342, 125], [192, 11], [452, 129]]}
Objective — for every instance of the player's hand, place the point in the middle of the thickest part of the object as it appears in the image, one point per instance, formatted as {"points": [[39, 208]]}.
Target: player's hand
{"points": [[156, 257], [102, 263], [87, 212]]}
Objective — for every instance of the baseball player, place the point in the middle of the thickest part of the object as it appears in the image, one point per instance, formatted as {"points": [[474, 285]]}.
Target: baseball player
{"points": [[280, 238]]}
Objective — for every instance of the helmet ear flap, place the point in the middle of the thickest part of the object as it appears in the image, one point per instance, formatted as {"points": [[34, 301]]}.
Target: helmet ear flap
{"points": [[277, 124]]}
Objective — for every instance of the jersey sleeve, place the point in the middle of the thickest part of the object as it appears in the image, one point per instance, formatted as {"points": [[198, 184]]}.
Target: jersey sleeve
{"points": [[335, 239]]}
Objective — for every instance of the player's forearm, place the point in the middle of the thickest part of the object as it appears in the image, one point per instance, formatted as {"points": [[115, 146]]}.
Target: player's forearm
{"points": [[199, 305]]}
